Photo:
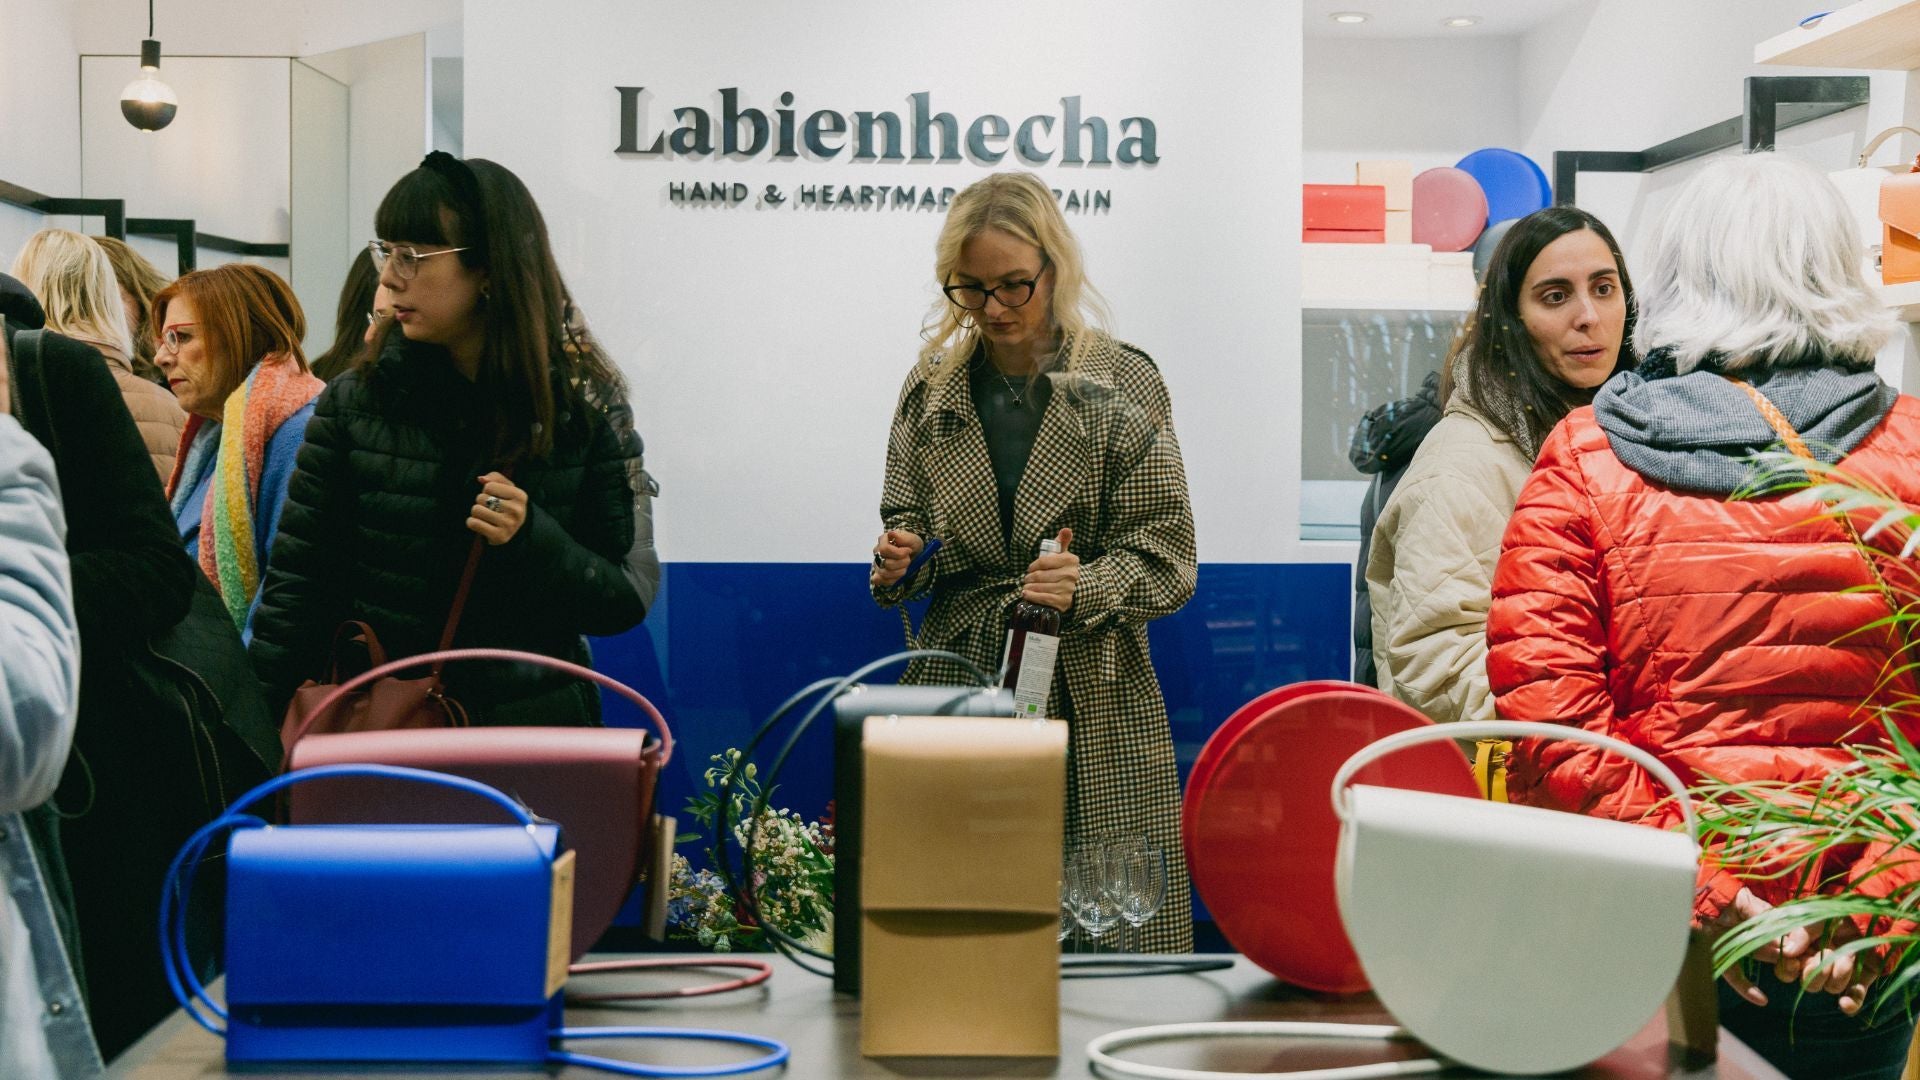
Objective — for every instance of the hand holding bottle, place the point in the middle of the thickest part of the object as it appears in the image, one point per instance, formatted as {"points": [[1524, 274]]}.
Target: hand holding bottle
{"points": [[1052, 578]]}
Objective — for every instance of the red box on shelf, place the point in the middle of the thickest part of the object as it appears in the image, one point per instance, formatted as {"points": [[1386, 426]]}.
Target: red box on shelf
{"points": [[1344, 214]]}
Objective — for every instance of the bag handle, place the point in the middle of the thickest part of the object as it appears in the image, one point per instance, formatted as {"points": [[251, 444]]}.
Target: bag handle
{"points": [[459, 605], [383, 772], [1874, 143], [353, 630], [445, 655], [1509, 729], [1793, 442]]}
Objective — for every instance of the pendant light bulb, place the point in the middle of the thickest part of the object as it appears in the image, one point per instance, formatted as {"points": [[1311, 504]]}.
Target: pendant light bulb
{"points": [[148, 103]]}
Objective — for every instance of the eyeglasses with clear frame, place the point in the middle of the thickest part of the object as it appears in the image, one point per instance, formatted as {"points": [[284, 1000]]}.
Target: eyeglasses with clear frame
{"points": [[171, 337], [1012, 294], [406, 258]]}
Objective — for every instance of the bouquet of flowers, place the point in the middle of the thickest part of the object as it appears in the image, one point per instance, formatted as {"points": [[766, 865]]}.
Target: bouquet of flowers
{"points": [[792, 870]]}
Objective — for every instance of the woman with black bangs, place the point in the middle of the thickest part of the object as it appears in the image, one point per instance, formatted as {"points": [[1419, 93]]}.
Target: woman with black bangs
{"points": [[480, 411]]}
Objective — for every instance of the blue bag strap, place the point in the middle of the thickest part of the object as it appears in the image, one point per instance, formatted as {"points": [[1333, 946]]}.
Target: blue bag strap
{"points": [[385, 772]]}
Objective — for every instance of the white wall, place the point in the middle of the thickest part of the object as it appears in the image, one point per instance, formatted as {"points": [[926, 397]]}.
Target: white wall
{"points": [[39, 96], [1430, 101], [1628, 74], [322, 233], [248, 27], [764, 403], [388, 121], [223, 160]]}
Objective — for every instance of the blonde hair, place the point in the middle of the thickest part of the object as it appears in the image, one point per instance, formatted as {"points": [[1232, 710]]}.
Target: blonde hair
{"points": [[74, 280], [143, 281], [1020, 205], [1756, 263]]}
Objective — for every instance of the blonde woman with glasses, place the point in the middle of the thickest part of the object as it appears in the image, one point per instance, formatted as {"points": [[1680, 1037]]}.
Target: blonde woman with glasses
{"points": [[73, 277], [1025, 421]]}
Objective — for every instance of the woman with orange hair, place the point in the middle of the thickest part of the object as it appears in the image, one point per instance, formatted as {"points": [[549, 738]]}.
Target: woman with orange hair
{"points": [[230, 348]]}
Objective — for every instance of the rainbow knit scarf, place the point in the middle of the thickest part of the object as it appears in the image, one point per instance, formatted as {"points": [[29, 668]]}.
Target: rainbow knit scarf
{"points": [[272, 392]]}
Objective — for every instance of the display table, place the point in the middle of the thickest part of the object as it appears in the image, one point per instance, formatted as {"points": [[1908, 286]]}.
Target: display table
{"points": [[824, 1031]]}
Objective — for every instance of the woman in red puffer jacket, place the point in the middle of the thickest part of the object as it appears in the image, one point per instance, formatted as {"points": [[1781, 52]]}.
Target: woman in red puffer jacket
{"points": [[1637, 596]]}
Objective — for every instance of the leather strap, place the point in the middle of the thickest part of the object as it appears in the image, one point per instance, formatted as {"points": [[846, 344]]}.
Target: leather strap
{"points": [[1791, 438], [536, 659], [466, 586], [762, 971], [1874, 143]]}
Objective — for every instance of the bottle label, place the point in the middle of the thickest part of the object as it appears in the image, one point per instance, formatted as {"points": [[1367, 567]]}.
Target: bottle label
{"points": [[1035, 680]]}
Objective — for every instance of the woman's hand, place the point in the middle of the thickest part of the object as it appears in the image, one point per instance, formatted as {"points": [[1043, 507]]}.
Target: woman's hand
{"points": [[1820, 971], [499, 510], [1051, 579], [1787, 955], [893, 554]]}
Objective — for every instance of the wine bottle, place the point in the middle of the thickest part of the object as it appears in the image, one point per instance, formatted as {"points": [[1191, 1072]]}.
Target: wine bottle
{"points": [[1033, 644]]}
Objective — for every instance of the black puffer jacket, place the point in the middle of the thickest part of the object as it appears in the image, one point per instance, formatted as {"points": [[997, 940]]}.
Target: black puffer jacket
{"points": [[1383, 446], [374, 530]]}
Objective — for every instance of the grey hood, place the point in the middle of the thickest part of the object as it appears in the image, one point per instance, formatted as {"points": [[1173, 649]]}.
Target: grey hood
{"points": [[1695, 432]]}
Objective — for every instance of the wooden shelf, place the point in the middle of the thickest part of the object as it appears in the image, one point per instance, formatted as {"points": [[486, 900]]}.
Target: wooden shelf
{"points": [[1872, 35], [1383, 303]]}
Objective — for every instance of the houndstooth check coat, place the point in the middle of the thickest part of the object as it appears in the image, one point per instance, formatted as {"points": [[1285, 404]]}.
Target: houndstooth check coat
{"points": [[1107, 464]]}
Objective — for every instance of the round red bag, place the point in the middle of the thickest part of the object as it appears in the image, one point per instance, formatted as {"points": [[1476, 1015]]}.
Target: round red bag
{"points": [[1261, 832]]}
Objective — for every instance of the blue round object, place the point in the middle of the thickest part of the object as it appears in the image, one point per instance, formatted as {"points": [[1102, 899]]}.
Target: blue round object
{"points": [[1515, 186]]}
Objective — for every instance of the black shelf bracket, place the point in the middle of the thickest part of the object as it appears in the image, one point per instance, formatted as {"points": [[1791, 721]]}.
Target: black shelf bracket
{"points": [[180, 229], [113, 210], [1773, 104], [118, 225]]}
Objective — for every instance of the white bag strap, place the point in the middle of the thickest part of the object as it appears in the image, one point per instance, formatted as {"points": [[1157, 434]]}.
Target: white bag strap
{"points": [[1510, 729], [1100, 1056], [1874, 143]]}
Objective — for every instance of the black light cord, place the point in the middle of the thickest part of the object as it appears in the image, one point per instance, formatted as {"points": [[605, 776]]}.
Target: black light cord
{"points": [[784, 943], [1133, 967], [149, 18]]}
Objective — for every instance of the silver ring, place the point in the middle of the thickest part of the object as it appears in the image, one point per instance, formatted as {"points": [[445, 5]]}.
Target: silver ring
{"points": [[492, 503]]}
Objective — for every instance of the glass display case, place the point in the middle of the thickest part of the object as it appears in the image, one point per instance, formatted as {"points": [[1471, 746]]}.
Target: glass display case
{"points": [[1353, 359]]}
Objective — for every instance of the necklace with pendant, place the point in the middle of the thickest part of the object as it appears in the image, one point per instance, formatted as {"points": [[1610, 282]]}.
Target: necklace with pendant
{"points": [[1015, 394]]}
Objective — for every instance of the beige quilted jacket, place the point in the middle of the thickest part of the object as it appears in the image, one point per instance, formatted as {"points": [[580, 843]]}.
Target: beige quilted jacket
{"points": [[1430, 572]]}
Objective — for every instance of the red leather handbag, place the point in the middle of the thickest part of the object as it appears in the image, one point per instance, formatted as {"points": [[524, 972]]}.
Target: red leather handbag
{"points": [[597, 783], [385, 704]]}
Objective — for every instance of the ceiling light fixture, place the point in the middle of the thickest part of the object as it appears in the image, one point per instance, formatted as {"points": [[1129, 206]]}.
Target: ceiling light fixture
{"points": [[1460, 22], [148, 103], [1350, 18]]}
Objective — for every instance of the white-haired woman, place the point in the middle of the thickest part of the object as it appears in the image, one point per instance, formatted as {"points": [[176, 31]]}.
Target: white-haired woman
{"points": [[1022, 422], [1637, 596], [73, 279]]}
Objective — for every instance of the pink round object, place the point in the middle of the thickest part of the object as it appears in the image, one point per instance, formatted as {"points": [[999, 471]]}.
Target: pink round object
{"points": [[1449, 209]]}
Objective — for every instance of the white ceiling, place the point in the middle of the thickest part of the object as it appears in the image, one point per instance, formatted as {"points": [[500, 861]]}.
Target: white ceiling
{"points": [[1422, 18]]}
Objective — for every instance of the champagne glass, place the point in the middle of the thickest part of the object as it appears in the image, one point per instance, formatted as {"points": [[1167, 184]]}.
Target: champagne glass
{"points": [[1097, 908], [1144, 889], [1118, 848]]}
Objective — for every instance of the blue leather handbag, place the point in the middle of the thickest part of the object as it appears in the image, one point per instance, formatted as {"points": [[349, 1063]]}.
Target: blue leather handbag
{"points": [[398, 943], [391, 942]]}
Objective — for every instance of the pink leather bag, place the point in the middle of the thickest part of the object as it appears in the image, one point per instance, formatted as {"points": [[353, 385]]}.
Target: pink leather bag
{"points": [[597, 783]]}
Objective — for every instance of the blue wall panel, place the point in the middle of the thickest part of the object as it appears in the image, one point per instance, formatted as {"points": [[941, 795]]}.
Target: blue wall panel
{"points": [[727, 642]]}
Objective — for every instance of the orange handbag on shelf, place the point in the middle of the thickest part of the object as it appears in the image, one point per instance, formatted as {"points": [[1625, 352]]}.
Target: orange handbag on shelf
{"points": [[1900, 221]]}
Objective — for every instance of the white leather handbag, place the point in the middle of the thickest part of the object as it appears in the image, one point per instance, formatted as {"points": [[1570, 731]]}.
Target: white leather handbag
{"points": [[1589, 916]]}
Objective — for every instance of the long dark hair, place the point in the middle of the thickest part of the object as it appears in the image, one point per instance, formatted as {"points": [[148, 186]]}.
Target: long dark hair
{"points": [[527, 335], [1505, 380], [349, 320]]}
